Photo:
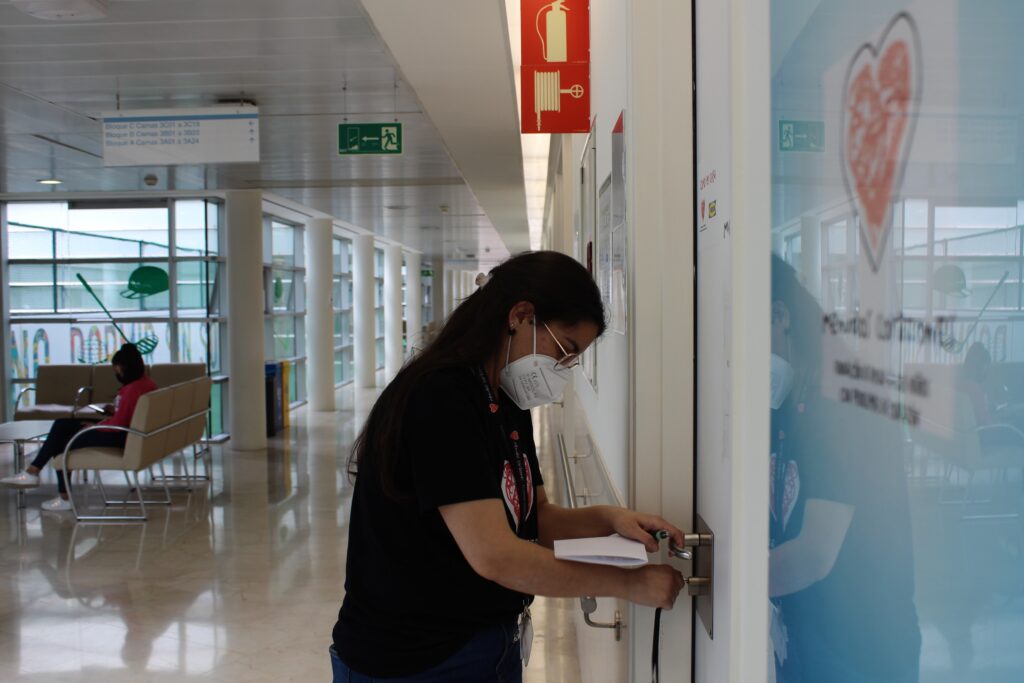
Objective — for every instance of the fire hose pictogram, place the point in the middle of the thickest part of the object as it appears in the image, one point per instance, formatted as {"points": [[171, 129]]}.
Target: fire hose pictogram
{"points": [[547, 92]]}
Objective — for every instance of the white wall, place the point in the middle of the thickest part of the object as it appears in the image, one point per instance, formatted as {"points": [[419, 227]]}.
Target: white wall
{"points": [[607, 408], [640, 415]]}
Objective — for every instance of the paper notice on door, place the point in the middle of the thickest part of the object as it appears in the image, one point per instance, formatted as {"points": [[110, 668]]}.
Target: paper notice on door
{"points": [[612, 550]]}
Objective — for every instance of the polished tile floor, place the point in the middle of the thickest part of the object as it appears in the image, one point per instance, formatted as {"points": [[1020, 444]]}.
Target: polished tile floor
{"points": [[238, 581]]}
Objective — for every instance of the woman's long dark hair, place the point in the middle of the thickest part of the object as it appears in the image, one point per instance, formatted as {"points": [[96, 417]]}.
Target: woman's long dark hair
{"points": [[559, 288], [133, 367]]}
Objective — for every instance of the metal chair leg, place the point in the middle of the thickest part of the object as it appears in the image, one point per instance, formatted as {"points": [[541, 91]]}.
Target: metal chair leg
{"points": [[101, 519], [103, 490], [163, 480], [138, 490]]}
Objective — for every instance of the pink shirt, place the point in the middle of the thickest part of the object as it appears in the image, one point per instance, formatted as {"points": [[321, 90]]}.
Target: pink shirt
{"points": [[127, 398]]}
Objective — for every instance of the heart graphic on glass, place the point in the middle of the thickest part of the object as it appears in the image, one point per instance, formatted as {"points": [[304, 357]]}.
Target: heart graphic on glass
{"points": [[880, 98]]}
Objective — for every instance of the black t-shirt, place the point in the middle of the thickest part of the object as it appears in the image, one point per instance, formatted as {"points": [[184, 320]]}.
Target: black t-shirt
{"points": [[411, 598], [861, 617]]}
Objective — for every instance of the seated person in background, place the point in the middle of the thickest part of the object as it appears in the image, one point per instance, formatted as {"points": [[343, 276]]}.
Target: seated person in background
{"points": [[973, 378], [131, 373]]}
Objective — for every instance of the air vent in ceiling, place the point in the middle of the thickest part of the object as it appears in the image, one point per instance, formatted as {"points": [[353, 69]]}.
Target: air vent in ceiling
{"points": [[63, 10]]}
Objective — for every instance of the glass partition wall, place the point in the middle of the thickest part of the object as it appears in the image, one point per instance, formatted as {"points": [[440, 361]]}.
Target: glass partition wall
{"points": [[897, 460], [154, 265], [344, 360], [284, 275], [378, 305]]}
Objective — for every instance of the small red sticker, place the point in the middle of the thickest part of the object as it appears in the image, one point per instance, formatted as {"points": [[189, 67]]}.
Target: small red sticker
{"points": [[494, 407], [514, 436]]}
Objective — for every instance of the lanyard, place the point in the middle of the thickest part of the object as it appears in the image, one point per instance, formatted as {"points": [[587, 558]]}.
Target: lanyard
{"points": [[516, 460], [775, 519]]}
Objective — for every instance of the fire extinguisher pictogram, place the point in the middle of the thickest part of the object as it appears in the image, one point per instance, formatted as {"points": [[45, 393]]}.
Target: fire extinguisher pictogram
{"points": [[555, 38]]}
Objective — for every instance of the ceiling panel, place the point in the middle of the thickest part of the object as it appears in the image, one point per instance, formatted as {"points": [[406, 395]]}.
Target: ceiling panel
{"points": [[308, 64]]}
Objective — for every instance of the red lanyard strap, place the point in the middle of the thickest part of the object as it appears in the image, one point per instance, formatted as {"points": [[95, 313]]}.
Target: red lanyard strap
{"points": [[508, 436]]}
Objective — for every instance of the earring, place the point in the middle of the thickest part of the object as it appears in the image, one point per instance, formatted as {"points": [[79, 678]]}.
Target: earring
{"points": [[512, 330]]}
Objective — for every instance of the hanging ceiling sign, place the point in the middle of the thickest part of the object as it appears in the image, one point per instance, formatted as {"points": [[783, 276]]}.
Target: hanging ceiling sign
{"points": [[369, 138], [174, 137], [556, 66]]}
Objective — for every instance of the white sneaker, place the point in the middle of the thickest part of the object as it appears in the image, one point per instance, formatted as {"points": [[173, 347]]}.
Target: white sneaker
{"points": [[57, 504], [22, 480]]}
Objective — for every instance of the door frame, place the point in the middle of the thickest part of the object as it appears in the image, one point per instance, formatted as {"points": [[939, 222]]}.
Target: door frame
{"points": [[659, 175], [662, 329]]}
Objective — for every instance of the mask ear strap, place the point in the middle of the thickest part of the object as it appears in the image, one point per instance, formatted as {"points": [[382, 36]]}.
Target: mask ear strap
{"points": [[508, 351], [534, 326]]}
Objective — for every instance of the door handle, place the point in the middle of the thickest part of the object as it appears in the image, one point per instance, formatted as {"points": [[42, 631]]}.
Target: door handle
{"points": [[690, 541]]}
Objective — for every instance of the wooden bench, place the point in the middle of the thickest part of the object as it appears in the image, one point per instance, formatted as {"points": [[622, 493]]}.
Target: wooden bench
{"points": [[165, 422]]}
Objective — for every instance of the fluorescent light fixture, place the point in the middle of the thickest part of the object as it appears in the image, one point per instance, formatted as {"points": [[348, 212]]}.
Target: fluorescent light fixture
{"points": [[50, 181]]}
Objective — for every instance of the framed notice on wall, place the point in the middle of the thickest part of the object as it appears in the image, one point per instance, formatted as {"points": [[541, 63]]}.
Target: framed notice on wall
{"points": [[617, 257], [588, 234], [604, 237]]}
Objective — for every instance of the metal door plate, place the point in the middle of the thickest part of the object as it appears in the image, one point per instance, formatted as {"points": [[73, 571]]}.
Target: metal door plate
{"points": [[704, 565]]}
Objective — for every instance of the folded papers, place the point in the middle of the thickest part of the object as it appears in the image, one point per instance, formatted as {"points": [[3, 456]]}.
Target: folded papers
{"points": [[613, 550]]}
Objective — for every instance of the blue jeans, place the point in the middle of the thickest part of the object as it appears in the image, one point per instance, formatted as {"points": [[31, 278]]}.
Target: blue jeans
{"points": [[490, 656]]}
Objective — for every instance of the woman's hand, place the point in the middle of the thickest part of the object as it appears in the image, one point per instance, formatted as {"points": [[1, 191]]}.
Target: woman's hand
{"points": [[656, 585], [640, 527]]}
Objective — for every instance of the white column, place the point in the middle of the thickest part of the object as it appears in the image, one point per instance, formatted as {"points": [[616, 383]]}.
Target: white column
{"points": [[246, 402], [460, 287], [449, 291], [320, 314], [364, 336], [437, 288], [393, 351], [413, 302], [810, 253]]}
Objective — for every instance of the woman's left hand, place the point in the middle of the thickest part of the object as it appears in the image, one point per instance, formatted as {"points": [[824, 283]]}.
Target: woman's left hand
{"points": [[640, 527]]}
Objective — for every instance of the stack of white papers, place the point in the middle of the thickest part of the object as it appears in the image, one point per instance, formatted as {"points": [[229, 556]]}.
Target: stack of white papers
{"points": [[612, 550]]}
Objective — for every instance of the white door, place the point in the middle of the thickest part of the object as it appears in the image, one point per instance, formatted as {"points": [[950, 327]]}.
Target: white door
{"points": [[731, 174]]}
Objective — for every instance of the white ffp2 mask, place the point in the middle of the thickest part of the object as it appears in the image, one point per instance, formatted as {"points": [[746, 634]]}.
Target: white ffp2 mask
{"points": [[533, 380]]}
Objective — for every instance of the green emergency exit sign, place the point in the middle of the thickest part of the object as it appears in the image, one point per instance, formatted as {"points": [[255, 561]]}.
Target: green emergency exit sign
{"points": [[801, 136], [369, 138]]}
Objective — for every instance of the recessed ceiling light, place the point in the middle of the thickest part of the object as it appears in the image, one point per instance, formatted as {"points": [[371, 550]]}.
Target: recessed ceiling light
{"points": [[50, 181]]}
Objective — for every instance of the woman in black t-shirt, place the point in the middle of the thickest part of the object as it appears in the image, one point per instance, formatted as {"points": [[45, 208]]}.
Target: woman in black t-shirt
{"points": [[451, 531]]}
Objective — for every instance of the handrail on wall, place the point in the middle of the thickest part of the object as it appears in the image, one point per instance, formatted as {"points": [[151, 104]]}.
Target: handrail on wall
{"points": [[588, 604]]}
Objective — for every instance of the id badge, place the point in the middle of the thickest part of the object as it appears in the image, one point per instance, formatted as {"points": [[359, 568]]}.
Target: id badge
{"points": [[525, 635]]}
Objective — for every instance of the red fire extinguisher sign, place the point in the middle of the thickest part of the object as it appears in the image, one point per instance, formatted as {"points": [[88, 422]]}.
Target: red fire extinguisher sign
{"points": [[556, 66]]}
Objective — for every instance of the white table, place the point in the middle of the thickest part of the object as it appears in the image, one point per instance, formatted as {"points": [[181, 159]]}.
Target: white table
{"points": [[18, 433]]}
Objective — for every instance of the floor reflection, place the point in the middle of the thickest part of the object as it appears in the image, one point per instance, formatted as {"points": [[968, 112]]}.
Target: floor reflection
{"points": [[969, 570], [238, 581]]}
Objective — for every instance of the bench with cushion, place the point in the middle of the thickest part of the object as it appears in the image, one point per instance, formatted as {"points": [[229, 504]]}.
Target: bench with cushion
{"points": [[67, 390], [168, 374], [165, 422], [60, 390]]}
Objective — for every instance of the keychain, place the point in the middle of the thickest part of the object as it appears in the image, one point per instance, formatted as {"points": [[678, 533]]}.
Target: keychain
{"points": [[525, 636]]}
